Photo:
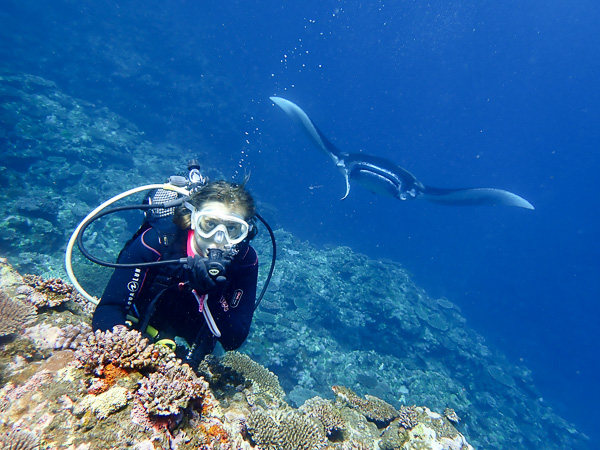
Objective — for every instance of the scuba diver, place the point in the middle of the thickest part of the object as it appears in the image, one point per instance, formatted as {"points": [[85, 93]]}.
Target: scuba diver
{"points": [[211, 295]]}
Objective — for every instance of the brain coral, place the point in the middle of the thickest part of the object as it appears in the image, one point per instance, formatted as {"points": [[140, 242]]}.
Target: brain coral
{"points": [[285, 430], [14, 314], [373, 408], [262, 379]]}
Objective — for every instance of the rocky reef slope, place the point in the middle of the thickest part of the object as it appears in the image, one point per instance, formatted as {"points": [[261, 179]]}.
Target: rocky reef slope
{"points": [[66, 387]]}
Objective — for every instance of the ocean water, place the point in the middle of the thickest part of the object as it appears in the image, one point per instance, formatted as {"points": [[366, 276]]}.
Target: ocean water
{"points": [[462, 94]]}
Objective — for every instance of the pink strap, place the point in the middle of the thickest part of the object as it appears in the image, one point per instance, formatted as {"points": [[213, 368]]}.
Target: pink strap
{"points": [[190, 246]]}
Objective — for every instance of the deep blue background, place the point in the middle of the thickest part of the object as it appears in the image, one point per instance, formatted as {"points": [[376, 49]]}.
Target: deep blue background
{"points": [[462, 94]]}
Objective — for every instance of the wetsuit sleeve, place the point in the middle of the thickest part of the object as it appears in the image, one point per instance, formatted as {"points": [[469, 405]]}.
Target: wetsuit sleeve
{"points": [[125, 285], [233, 311]]}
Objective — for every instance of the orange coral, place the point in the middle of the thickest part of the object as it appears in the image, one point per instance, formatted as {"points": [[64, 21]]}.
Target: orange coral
{"points": [[214, 432], [207, 408], [113, 373]]}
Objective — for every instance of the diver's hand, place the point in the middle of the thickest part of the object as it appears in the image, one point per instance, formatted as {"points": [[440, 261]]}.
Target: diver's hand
{"points": [[200, 280]]}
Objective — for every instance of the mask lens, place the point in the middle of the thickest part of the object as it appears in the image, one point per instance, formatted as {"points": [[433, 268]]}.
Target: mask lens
{"points": [[221, 228], [207, 223], [234, 229]]}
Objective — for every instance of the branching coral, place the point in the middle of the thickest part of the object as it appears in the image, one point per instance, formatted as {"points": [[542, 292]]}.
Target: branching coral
{"points": [[123, 348], [285, 430], [373, 408], [325, 412], [165, 392], [14, 314], [49, 292], [408, 417]]}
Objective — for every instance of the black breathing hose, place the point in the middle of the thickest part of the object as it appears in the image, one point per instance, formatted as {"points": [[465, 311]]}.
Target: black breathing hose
{"points": [[181, 261], [273, 259], [92, 258]]}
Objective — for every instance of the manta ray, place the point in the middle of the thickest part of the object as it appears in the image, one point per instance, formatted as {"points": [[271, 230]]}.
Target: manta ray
{"points": [[383, 177]]}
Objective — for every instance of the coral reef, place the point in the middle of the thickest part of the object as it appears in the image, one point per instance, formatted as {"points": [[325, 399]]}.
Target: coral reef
{"points": [[18, 439], [123, 348], [264, 381], [325, 412], [166, 392], [391, 341], [14, 315], [373, 408], [285, 430]]}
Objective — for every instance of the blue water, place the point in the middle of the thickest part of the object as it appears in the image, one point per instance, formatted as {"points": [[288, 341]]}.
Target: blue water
{"points": [[462, 94]]}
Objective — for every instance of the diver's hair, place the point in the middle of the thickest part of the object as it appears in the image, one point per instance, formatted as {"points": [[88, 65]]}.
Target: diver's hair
{"points": [[230, 194]]}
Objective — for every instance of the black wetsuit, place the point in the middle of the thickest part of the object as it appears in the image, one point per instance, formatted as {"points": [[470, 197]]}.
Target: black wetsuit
{"points": [[179, 312]]}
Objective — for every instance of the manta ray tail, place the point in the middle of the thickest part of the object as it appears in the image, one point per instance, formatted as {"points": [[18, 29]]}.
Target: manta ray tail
{"points": [[475, 196], [301, 118]]}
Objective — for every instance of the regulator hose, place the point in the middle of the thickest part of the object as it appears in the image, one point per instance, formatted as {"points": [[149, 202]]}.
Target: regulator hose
{"points": [[101, 212]]}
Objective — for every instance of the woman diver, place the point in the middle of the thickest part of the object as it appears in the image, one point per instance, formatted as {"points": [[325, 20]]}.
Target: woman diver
{"points": [[190, 307]]}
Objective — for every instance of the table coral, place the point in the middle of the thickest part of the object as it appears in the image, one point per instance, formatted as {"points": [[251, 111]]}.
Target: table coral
{"points": [[265, 381], [373, 408], [285, 430], [325, 412]]}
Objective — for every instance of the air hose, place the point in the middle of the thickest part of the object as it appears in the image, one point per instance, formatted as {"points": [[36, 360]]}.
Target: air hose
{"points": [[84, 222], [100, 211]]}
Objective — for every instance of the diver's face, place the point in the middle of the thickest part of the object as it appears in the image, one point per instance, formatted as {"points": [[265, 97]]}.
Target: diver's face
{"points": [[210, 222]]}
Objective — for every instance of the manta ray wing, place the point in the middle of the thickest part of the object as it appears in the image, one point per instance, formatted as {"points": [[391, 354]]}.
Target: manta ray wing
{"points": [[475, 196], [301, 118]]}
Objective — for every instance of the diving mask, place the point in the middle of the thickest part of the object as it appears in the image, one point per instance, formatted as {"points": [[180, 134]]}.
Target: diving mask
{"points": [[230, 229]]}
